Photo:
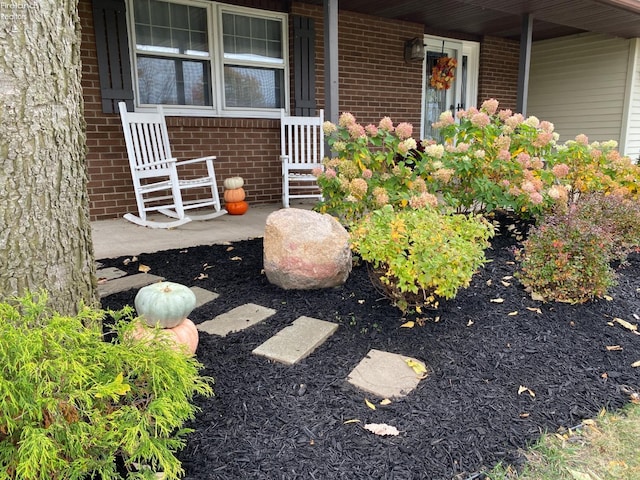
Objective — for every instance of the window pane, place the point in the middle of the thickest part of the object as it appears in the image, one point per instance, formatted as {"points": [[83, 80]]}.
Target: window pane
{"points": [[173, 81], [252, 39], [253, 87], [164, 27]]}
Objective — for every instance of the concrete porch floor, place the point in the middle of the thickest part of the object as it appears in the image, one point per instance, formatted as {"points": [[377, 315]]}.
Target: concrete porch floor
{"points": [[119, 237]]}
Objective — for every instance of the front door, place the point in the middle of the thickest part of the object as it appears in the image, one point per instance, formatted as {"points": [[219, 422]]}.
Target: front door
{"points": [[460, 93]]}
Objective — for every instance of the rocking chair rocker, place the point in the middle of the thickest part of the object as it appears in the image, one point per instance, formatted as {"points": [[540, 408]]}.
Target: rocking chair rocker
{"points": [[154, 171]]}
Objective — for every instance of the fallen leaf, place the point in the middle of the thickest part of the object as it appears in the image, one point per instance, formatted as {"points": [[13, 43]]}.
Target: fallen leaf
{"points": [[636, 316], [626, 324], [605, 375], [409, 324], [437, 319], [382, 429], [236, 258], [369, 404], [636, 364], [202, 276], [608, 298], [360, 302], [524, 415], [577, 475], [510, 263], [127, 261], [102, 281], [353, 420], [489, 282], [614, 348], [184, 251], [418, 367], [537, 297], [506, 284], [143, 268], [507, 277], [533, 309], [418, 309], [229, 249], [497, 300], [386, 401], [469, 323], [512, 314], [523, 389], [635, 398]]}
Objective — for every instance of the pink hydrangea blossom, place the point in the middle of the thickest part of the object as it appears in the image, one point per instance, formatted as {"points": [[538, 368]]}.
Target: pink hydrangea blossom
{"points": [[330, 173], [514, 120], [356, 130], [386, 124], [542, 139], [504, 114], [546, 126], [480, 119], [406, 146], [582, 139], [404, 130], [380, 196], [536, 198], [346, 120], [358, 187], [560, 170], [423, 200], [490, 106], [524, 159], [367, 174], [504, 155], [537, 163], [371, 130], [463, 147]]}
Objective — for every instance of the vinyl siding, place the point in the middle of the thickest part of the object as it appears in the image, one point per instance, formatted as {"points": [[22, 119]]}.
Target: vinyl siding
{"points": [[579, 84]]}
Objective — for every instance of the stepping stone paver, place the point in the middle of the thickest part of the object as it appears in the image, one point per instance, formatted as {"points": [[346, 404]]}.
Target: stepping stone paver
{"points": [[384, 374], [203, 296], [110, 273], [296, 341], [236, 319], [121, 284]]}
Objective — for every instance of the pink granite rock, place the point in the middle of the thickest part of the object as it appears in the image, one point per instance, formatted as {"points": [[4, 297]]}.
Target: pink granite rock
{"points": [[305, 250]]}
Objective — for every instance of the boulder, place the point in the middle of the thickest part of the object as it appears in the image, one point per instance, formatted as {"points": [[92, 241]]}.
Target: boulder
{"points": [[305, 250]]}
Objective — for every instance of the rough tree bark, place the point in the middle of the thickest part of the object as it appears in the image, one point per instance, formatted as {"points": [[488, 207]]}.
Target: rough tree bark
{"points": [[45, 234]]}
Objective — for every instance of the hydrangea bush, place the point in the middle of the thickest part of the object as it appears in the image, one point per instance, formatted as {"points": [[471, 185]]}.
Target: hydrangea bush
{"points": [[489, 159]]}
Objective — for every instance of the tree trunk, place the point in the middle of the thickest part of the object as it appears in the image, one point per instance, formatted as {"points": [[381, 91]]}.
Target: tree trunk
{"points": [[45, 234]]}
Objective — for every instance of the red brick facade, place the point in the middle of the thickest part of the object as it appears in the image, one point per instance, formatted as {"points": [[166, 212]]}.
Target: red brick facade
{"points": [[374, 82]]}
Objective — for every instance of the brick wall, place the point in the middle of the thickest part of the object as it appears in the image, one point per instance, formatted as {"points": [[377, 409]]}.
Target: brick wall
{"points": [[498, 76]]}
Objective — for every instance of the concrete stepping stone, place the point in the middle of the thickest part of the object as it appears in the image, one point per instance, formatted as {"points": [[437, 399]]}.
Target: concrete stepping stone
{"points": [[203, 295], [385, 375], [110, 273], [296, 341], [236, 319], [121, 284]]}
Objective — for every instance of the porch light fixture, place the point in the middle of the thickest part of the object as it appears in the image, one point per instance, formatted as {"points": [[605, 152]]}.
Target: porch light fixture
{"points": [[414, 50]]}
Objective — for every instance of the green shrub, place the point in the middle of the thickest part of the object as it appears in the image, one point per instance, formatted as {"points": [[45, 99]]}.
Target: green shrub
{"points": [[71, 402], [420, 255]]}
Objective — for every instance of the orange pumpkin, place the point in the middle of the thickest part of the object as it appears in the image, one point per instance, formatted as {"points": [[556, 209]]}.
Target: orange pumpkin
{"points": [[184, 334], [237, 208], [234, 195]]}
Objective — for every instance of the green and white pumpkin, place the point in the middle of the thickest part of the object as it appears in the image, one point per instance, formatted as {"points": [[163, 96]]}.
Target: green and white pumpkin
{"points": [[165, 304]]}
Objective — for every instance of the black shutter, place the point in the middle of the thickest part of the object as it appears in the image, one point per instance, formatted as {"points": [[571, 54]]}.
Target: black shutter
{"points": [[114, 66], [304, 61]]}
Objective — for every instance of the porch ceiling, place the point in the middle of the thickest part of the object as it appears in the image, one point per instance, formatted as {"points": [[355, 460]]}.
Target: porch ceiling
{"points": [[502, 18]]}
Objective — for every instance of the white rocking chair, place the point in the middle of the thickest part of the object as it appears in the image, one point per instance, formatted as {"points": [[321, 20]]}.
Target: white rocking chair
{"points": [[154, 171], [302, 143]]}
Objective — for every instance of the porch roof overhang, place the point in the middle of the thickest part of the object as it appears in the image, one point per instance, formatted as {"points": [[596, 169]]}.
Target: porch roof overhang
{"points": [[503, 18]]}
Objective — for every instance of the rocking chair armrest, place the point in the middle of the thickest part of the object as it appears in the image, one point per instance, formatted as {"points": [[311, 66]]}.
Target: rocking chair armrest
{"points": [[284, 158], [166, 161], [195, 160]]}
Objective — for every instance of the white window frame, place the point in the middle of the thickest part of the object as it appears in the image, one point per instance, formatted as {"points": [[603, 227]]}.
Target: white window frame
{"points": [[216, 58]]}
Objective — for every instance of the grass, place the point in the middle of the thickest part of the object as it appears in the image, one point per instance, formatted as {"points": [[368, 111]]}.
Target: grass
{"points": [[606, 448]]}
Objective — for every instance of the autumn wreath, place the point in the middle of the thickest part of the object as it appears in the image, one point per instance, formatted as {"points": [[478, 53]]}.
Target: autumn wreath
{"points": [[442, 74]]}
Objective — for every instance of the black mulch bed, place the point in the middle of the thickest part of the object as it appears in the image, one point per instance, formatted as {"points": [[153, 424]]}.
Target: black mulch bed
{"points": [[270, 421]]}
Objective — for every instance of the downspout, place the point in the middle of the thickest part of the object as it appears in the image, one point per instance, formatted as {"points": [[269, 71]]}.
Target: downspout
{"points": [[331, 60], [525, 63]]}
